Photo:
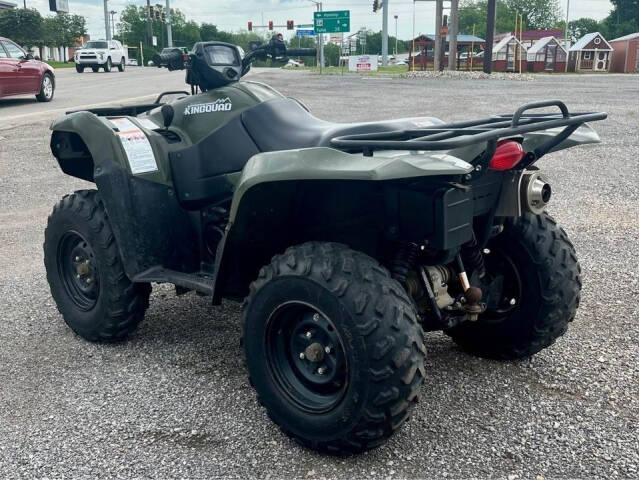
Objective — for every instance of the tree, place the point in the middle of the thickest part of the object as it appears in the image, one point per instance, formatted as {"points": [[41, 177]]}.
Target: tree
{"points": [[22, 25], [537, 14], [62, 30], [623, 19], [582, 26]]}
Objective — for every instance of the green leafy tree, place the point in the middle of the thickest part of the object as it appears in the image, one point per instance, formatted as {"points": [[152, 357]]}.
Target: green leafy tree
{"points": [[582, 26], [22, 25], [537, 14], [62, 30], [623, 19]]}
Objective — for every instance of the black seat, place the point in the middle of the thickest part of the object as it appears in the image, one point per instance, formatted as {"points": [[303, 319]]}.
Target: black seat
{"points": [[283, 124]]}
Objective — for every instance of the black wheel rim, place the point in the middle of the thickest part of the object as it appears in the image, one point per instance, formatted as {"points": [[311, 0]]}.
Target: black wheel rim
{"points": [[306, 357], [78, 270], [511, 294]]}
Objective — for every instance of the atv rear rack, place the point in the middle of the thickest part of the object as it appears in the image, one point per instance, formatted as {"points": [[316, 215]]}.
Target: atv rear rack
{"points": [[462, 134]]}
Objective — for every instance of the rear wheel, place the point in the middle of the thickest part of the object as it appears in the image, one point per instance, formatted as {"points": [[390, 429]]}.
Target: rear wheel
{"points": [[333, 348], [107, 65], [46, 89], [121, 65], [85, 272], [79, 68], [95, 69], [539, 293]]}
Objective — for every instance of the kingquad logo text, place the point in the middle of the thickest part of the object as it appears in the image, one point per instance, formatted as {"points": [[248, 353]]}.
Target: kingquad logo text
{"points": [[220, 105]]}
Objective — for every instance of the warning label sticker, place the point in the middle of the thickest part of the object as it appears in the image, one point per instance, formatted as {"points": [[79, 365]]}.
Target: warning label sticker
{"points": [[136, 146]]}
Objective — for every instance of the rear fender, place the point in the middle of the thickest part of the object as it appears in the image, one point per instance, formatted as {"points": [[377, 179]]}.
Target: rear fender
{"points": [[584, 135], [289, 197]]}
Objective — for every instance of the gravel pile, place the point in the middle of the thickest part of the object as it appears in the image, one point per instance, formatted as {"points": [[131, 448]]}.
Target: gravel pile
{"points": [[523, 77], [174, 401]]}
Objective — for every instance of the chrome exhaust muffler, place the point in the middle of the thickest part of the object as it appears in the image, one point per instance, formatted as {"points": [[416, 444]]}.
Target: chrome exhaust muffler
{"points": [[535, 192]]}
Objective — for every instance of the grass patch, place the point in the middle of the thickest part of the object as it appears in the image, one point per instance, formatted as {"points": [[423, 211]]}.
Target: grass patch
{"points": [[391, 70], [60, 64]]}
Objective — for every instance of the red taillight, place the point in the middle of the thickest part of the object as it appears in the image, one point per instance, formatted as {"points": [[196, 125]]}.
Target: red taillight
{"points": [[508, 154], [185, 58]]}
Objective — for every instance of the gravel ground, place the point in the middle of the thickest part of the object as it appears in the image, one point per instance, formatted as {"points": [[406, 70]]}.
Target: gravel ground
{"points": [[174, 400]]}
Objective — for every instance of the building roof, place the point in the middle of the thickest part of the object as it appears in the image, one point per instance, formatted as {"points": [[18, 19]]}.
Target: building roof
{"points": [[541, 43], [626, 37], [586, 39], [504, 41], [460, 38], [5, 5]]}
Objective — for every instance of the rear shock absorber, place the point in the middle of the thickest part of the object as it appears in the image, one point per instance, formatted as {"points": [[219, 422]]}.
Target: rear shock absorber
{"points": [[405, 261], [473, 258]]}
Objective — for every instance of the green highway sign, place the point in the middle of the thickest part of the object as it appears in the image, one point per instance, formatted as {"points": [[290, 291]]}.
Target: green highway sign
{"points": [[332, 22]]}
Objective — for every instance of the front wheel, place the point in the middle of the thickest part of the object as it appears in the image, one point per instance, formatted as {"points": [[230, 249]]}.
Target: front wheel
{"points": [[333, 348], [46, 89], [79, 68], [86, 274], [107, 65], [121, 65], [535, 267]]}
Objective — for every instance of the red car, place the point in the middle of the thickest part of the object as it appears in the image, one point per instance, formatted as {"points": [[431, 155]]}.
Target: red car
{"points": [[22, 74]]}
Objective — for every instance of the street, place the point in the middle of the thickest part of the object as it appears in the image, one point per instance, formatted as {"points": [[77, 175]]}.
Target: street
{"points": [[174, 400], [134, 85]]}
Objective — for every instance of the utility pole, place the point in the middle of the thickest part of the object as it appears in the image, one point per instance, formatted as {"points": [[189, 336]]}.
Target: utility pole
{"points": [[566, 34], [169, 33], [385, 33], [490, 35], [396, 17], [107, 26], [149, 25], [453, 31], [112, 12], [321, 38], [439, 13]]}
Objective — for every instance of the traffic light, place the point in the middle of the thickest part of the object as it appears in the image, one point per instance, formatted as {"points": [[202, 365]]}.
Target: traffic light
{"points": [[164, 17], [151, 11], [250, 26], [157, 14], [377, 4], [270, 24], [290, 25]]}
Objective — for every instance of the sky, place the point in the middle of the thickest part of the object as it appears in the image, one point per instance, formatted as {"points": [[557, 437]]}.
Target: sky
{"points": [[233, 15]]}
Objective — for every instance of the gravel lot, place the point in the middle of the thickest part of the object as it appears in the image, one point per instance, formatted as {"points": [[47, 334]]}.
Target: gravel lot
{"points": [[174, 400]]}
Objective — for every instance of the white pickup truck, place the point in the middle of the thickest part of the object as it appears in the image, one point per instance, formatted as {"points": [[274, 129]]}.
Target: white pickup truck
{"points": [[98, 54]]}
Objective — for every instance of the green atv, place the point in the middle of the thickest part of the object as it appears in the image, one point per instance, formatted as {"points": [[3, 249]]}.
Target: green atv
{"points": [[345, 241]]}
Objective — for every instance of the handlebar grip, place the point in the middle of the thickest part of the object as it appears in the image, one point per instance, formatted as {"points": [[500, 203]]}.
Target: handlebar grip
{"points": [[301, 52], [172, 60]]}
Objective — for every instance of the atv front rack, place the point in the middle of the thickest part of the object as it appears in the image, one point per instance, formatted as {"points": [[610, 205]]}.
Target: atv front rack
{"points": [[462, 134]]}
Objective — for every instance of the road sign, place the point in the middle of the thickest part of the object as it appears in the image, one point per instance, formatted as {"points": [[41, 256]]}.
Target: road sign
{"points": [[362, 63], [305, 33], [332, 22]]}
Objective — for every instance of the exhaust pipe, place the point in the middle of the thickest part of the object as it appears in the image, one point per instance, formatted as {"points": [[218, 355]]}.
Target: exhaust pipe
{"points": [[535, 192]]}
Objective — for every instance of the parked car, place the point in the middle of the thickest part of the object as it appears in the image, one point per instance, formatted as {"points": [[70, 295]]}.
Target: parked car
{"points": [[22, 74], [98, 54]]}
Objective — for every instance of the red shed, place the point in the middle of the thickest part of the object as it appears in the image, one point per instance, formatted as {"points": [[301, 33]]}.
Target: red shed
{"points": [[546, 55], [508, 54], [625, 54]]}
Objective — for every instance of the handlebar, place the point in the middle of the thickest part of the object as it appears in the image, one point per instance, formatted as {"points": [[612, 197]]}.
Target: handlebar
{"points": [[173, 60], [301, 52]]}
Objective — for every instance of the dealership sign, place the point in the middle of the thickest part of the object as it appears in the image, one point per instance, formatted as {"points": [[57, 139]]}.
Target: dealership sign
{"points": [[362, 63]]}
